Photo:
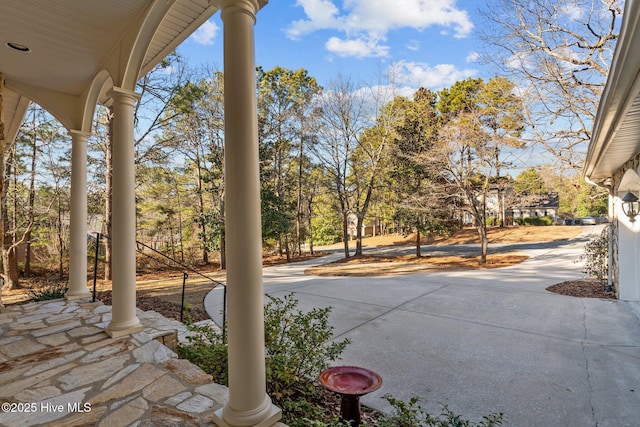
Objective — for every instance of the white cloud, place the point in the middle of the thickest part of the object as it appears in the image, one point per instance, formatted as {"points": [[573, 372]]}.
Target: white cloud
{"points": [[419, 74], [358, 48], [369, 20], [519, 61], [206, 34], [572, 11], [413, 45], [321, 14], [385, 15], [473, 57]]}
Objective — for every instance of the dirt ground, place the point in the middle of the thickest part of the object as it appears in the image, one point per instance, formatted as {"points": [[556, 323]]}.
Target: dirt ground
{"points": [[469, 235], [384, 265], [160, 289], [371, 265]]}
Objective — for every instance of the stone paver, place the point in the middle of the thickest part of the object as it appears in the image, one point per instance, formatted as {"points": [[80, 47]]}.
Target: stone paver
{"points": [[58, 367]]}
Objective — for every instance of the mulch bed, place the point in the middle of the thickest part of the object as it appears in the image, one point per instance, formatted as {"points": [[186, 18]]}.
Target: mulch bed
{"points": [[168, 309], [582, 289], [380, 265]]}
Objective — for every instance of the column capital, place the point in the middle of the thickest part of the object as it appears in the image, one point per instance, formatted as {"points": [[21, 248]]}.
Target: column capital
{"points": [[127, 96], [250, 7], [79, 134]]}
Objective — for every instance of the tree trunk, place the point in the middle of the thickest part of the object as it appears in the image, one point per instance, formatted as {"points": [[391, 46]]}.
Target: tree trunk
{"points": [[32, 199], [108, 210], [345, 234], [482, 231], [2, 141], [11, 279], [172, 241], [418, 248], [499, 186], [9, 264], [180, 224], [359, 222], [299, 207], [286, 247], [223, 252], [484, 244], [361, 213], [203, 221], [60, 238], [310, 227], [13, 256], [223, 240]]}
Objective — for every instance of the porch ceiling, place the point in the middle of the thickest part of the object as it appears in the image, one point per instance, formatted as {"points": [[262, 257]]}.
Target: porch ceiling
{"points": [[616, 132], [72, 41]]}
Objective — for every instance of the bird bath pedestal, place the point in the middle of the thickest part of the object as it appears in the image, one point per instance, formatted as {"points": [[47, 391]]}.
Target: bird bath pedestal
{"points": [[350, 382]]}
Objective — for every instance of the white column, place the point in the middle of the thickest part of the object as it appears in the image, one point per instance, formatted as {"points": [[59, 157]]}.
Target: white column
{"points": [[249, 404], [78, 229], [124, 320], [628, 254]]}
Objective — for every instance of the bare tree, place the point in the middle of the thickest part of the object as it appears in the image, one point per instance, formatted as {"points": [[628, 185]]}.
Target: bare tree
{"points": [[558, 53], [108, 190], [371, 155], [341, 121], [9, 238], [2, 143], [480, 119], [32, 194], [197, 133]]}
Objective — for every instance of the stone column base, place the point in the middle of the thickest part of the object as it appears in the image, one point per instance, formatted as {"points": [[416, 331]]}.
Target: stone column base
{"points": [[69, 297], [272, 418], [122, 332]]}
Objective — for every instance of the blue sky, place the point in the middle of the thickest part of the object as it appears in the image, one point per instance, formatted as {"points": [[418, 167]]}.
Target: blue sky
{"points": [[431, 43]]}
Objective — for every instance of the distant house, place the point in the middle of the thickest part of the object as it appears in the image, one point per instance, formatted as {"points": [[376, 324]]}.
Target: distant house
{"points": [[517, 206], [352, 226], [535, 205]]}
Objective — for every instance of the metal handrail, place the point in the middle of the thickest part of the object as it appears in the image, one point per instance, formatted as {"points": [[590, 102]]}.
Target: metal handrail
{"points": [[176, 265]]}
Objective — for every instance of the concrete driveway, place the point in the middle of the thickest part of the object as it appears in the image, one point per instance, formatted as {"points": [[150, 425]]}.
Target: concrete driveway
{"points": [[485, 341]]}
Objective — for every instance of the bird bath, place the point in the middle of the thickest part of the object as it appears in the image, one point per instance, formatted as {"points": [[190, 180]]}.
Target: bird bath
{"points": [[350, 382]]}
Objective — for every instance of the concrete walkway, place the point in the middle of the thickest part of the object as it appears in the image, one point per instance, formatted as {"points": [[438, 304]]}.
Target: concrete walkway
{"points": [[485, 341]]}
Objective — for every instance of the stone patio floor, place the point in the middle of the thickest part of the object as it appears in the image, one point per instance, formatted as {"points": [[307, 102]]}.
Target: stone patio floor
{"points": [[58, 367]]}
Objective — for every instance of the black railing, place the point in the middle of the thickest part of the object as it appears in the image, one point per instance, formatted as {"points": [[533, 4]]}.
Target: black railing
{"points": [[168, 262]]}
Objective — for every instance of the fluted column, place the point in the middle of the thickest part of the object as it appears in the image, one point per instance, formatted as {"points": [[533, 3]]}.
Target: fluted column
{"points": [[249, 404], [124, 320], [78, 228]]}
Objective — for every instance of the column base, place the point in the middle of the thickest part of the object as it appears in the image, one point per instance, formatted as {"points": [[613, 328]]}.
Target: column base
{"points": [[73, 297], [120, 331], [273, 415]]}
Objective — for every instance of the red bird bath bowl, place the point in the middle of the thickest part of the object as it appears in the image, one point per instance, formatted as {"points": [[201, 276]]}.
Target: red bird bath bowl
{"points": [[350, 382]]}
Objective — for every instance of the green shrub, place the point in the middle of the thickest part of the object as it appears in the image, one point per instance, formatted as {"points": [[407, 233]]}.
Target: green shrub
{"points": [[538, 220], [411, 414], [596, 256], [48, 291], [492, 221], [207, 349], [298, 347]]}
